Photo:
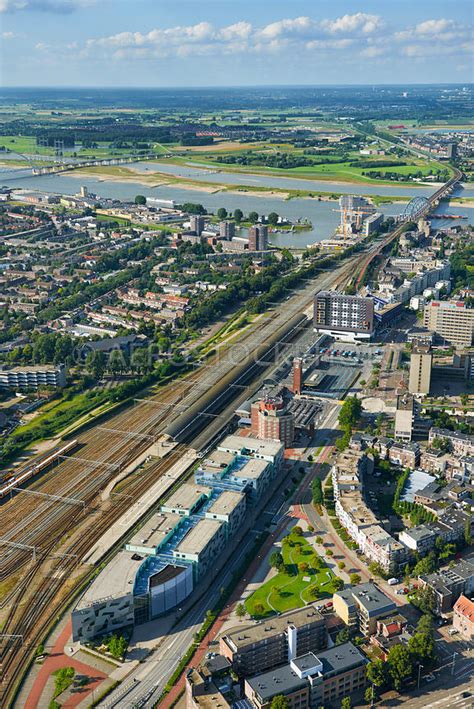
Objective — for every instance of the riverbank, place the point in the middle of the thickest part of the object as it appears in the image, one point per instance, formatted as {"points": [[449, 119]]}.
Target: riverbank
{"points": [[153, 180]]}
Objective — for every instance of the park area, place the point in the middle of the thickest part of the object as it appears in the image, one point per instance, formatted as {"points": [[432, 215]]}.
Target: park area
{"points": [[301, 577]]}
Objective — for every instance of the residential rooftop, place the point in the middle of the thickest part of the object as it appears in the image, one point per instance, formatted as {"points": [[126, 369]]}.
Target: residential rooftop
{"points": [[284, 680], [247, 445], [155, 531], [226, 503], [198, 537], [186, 497], [241, 637]]}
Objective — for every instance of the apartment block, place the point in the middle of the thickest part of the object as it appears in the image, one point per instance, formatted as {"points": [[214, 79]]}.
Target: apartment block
{"points": [[463, 618], [260, 647], [33, 377], [420, 369], [453, 321], [346, 317], [362, 606], [311, 680], [448, 584]]}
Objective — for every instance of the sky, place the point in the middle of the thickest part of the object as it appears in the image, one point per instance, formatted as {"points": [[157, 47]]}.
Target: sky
{"points": [[163, 43]]}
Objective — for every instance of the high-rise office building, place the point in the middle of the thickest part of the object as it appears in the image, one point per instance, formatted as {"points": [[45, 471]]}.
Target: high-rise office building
{"points": [[420, 369], [346, 317], [452, 320]]}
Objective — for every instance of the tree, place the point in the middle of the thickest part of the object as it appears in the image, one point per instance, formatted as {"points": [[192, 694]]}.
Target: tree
{"points": [[376, 672], [240, 611], [343, 636], [467, 530], [222, 213], [317, 491], [259, 608], [319, 540], [96, 363], [140, 199], [424, 600], [350, 412], [276, 560], [338, 584], [238, 215], [425, 624], [346, 703], [422, 648], [303, 567], [341, 565], [329, 552], [400, 665], [280, 702], [273, 218], [354, 579], [298, 531], [253, 217]]}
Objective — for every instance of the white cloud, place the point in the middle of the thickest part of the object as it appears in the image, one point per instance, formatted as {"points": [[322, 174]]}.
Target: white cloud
{"points": [[359, 22], [442, 30], [44, 5], [357, 35]]}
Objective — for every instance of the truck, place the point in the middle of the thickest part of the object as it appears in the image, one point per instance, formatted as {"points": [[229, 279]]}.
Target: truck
{"points": [[393, 581]]}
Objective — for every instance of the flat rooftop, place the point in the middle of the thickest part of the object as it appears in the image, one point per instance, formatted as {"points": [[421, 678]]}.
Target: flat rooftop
{"points": [[226, 503], [217, 459], [155, 530], [241, 444], [241, 637], [336, 660], [252, 469], [186, 497], [199, 536], [115, 580], [372, 598]]}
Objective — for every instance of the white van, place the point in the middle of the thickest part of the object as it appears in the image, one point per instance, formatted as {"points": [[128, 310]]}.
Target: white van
{"points": [[393, 582]]}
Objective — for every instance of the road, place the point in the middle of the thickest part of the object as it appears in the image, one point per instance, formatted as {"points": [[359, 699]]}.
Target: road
{"points": [[145, 684]]}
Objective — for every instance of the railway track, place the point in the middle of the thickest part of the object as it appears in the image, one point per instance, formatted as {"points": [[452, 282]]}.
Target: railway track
{"points": [[39, 597], [360, 273], [33, 620]]}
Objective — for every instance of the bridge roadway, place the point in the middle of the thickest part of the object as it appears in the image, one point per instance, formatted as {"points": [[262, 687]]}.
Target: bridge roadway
{"points": [[433, 201], [68, 164]]}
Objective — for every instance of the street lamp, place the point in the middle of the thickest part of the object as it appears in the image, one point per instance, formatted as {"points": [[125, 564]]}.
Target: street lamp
{"points": [[419, 676]]}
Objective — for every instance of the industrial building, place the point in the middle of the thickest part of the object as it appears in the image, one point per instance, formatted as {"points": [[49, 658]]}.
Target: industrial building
{"points": [[42, 375], [310, 681], [344, 317], [451, 320], [256, 648], [177, 548]]}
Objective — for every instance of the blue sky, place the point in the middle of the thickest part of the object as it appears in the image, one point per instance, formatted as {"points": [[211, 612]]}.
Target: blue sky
{"points": [[234, 42]]}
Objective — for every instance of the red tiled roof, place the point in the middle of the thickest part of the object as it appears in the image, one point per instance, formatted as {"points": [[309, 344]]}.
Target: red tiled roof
{"points": [[465, 607]]}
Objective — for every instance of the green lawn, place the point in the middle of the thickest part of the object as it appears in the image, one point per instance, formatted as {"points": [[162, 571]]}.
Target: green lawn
{"points": [[288, 589]]}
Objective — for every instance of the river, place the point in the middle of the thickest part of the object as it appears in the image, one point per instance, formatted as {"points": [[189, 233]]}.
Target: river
{"points": [[323, 215]]}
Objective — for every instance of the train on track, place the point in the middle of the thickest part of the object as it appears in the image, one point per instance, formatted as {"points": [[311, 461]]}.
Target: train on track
{"points": [[21, 477]]}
